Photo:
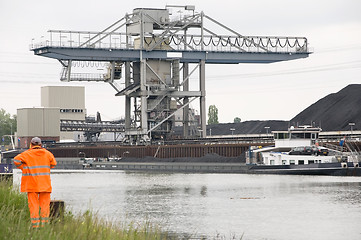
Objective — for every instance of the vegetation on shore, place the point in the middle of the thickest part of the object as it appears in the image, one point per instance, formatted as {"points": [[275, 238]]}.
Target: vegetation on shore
{"points": [[7, 127], [15, 223]]}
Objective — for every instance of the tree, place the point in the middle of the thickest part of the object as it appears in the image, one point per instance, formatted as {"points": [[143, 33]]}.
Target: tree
{"points": [[212, 115], [236, 120], [7, 126]]}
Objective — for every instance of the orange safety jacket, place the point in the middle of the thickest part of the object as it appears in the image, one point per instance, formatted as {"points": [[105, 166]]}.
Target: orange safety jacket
{"points": [[35, 164]]}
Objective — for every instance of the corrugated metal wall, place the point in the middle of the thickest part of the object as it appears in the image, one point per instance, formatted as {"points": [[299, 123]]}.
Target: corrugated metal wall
{"points": [[51, 124], [63, 97], [38, 122], [35, 121]]}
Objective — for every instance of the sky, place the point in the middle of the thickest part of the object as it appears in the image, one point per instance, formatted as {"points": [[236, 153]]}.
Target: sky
{"points": [[276, 91]]}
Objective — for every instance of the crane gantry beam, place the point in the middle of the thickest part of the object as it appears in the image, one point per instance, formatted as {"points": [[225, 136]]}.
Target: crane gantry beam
{"points": [[185, 56]]}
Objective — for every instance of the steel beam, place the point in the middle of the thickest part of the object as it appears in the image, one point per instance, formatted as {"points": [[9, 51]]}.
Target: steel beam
{"points": [[185, 100], [202, 99], [127, 98], [216, 57]]}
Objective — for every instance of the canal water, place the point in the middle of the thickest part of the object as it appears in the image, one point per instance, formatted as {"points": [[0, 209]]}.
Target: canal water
{"points": [[219, 206]]}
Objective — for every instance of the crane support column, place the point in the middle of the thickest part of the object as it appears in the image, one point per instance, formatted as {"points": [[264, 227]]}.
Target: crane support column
{"points": [[185, 101], [202, 102], [127, 98], [143, 98]]}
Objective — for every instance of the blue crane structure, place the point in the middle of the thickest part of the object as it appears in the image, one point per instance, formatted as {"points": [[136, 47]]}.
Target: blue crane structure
{"points": [[154, 52]]}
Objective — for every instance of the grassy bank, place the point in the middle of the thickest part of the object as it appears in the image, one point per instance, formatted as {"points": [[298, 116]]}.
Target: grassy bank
{"points": [[15, 223]]}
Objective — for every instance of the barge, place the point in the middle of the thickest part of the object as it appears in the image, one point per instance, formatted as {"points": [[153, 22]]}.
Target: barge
{"points": [[280, 159]]}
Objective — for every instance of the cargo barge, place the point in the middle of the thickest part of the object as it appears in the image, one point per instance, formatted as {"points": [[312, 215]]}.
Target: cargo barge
{"points": [[308, 159], [332, 169]]}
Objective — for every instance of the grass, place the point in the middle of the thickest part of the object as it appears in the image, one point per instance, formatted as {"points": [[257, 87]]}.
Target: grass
{"points": [[15, 223]]}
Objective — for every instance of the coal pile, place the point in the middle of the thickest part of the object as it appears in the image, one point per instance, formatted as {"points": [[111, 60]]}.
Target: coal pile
{"points": [[248, 127], [335, 111], [332, 113]]}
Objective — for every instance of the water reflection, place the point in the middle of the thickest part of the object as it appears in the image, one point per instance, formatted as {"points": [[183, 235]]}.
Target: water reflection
{"points": [[204, 191], [187, 190]]}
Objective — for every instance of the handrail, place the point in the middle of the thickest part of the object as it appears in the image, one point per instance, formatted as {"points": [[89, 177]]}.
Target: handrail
{"points": [[213, 42]]}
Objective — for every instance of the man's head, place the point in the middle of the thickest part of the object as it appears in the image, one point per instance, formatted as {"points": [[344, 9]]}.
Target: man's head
{"points": [[35, 141]]}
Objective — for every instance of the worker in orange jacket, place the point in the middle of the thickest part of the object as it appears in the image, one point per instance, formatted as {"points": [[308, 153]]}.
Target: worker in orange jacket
{"points": [[35, 164]]}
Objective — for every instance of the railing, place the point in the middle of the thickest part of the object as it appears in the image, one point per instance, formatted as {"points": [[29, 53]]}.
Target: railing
{"points": [[69, 125], [76, 39], [98, 77], [214, 43]]}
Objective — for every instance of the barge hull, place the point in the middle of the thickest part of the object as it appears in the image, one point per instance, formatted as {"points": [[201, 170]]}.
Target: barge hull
{"points": [[329, 169]]}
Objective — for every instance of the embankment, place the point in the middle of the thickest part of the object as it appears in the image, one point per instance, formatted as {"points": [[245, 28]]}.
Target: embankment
{"points": [[15, 223]]}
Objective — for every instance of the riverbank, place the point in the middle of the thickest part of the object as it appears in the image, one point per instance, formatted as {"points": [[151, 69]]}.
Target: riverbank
{"points": [[15, 223]]}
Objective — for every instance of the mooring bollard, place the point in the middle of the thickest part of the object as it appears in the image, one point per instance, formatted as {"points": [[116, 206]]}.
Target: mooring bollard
{"points": [[57, 208]]}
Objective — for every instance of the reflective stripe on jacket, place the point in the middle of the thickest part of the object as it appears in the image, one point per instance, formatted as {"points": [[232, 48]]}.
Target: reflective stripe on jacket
{"points": [[35, 164]]}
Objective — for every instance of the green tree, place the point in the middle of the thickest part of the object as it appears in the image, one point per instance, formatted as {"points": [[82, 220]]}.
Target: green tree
{"points": [[236, 120], [212, 115], [7, 126]]}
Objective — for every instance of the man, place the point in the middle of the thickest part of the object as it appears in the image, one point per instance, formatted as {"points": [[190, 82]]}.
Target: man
{"points": [[35, 164]]}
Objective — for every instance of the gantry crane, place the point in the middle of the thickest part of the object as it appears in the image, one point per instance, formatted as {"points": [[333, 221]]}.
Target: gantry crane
{"points": [[157, 51]]}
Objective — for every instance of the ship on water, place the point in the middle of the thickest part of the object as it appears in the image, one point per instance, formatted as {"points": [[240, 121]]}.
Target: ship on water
{"points": [[299, 151]]}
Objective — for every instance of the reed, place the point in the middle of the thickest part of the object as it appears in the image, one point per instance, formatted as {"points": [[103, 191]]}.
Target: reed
{"points": [[15, 223]]}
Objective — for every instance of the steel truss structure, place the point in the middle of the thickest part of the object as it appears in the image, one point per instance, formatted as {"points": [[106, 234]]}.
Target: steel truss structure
{"points": [[92, 129], [157, 53]]}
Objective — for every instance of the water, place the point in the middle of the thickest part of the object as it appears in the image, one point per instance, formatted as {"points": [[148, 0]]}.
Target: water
{"points": [[224, 205]]}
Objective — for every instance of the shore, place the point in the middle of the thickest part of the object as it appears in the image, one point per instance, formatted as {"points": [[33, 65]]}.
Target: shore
{"points": [[15, 223]]}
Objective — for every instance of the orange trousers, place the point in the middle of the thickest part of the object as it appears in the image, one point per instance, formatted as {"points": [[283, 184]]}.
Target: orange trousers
{"points": [[39, 206]]}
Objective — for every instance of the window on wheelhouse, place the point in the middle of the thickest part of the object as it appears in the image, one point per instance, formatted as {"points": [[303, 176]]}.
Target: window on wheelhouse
{"points": [[300, 135], [281, 135], [304, 135]]}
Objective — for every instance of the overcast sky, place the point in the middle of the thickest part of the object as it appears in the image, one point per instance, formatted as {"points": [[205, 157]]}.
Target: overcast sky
{"points": [[276, 91]]}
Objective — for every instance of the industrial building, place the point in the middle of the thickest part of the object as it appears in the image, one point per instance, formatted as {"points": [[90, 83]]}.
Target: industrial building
{"points": [[58, 103], [71, 104], [42, 122], [69, 100]]}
